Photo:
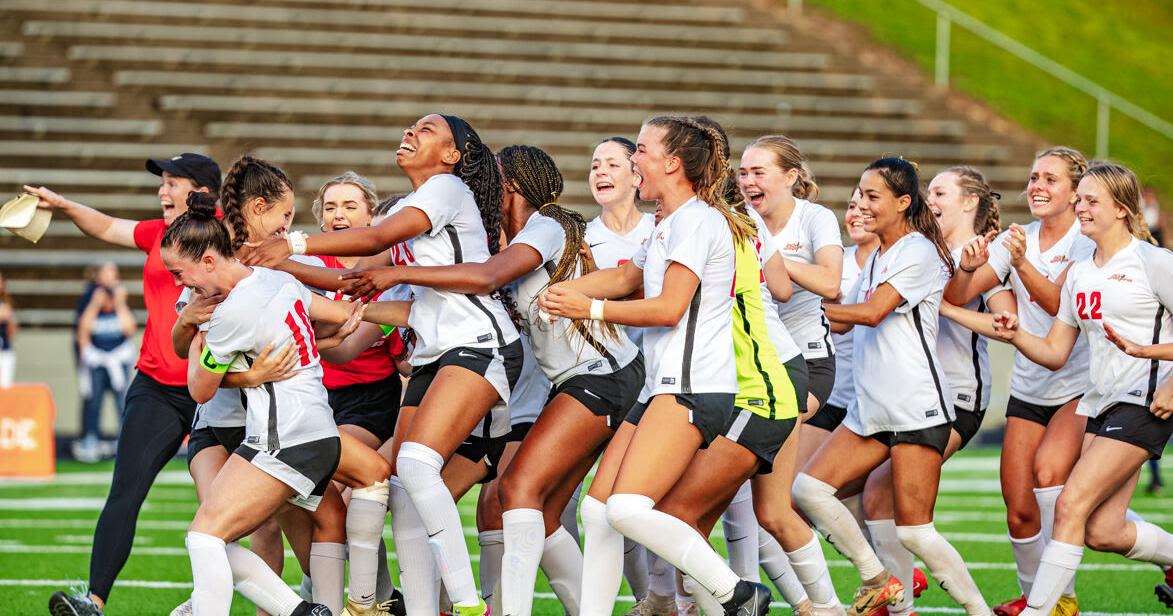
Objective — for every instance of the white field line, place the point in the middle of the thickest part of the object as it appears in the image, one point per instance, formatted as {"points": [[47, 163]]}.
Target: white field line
{"points": [[545, 596]]}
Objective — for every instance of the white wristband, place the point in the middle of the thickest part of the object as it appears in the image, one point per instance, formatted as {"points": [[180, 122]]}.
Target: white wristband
{"points": [[297, 242], [597, 309]]}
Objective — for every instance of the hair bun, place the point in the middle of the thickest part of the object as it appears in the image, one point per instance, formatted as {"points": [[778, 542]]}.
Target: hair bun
{"points": [[201, 205]]}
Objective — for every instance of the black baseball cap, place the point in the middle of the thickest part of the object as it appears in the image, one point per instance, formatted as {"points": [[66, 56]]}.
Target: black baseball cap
{"points": [[195, 167]]}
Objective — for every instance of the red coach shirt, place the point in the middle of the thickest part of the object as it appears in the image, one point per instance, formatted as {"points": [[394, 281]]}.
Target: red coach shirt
{"points": [[374, 364], [156, 358]]}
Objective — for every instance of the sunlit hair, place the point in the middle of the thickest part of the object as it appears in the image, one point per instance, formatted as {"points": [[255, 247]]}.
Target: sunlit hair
{"points": [[250, 178], [787, 156], [367, 187], [973, 184], [1124, 188], [1076, 161]]}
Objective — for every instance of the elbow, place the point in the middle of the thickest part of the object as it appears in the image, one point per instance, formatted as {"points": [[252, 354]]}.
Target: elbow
{"points": [[201, 394], [829, 291], [872, 319]]}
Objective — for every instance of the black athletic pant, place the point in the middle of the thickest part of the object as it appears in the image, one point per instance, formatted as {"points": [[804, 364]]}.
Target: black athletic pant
{"points": [[154, 422]]}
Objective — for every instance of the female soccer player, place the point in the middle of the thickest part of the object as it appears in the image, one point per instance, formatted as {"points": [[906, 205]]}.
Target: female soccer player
{"points": [[896, 299], [686, 269], [778, 185], [965, 208], [1123, 292], [467, 355], [1043, 433], [597, 372], [158, 408]]}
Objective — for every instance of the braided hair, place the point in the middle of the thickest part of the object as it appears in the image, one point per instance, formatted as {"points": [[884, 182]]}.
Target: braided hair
{"points": [[901, 177], [537, 179], [248, 179], [478, 169], [973, 183], [703, 149], [198, 229]]}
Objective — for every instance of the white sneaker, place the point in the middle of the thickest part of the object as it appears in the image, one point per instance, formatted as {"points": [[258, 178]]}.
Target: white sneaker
{"points": [[183, 609]]}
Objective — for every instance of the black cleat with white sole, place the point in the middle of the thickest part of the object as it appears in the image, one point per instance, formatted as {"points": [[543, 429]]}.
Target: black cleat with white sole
{"points": [[311, 609], [749, 599], [73, 604]]}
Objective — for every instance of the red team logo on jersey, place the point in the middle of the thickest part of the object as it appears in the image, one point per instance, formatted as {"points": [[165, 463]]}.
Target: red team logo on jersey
{"points": [[1119, 278], [306, 344]]}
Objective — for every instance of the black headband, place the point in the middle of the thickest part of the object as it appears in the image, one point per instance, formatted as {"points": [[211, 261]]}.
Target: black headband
{"points": [[460, 133]]}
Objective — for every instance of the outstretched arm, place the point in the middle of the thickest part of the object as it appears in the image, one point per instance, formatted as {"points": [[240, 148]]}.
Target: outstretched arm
{"points": [[664, 310], [499, 270], [117, 231], [403, 225]]}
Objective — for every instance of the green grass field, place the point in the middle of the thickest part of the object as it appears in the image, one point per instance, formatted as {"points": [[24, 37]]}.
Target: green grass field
{"points": [[1122, 46], [46, 530]]}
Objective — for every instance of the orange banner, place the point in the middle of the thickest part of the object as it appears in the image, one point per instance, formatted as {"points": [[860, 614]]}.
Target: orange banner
{"points": [[27, 448]]}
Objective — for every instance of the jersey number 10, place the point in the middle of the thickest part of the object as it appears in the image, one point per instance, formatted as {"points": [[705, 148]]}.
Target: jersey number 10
{"points": [[306, 343], [1088, 305]]}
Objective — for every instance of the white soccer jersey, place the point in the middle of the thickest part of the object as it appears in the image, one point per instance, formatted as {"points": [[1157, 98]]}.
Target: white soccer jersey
{"points": [[844, 389], [226, 408], [1133, 293], [1031, 382], [811, 227], [964, 354], [899, 383], [273, 307], [609, 249], [695, 355], [444, 320], [528, 397], [560, 351]]}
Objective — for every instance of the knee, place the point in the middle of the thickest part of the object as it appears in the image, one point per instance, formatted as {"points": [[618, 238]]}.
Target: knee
{"points": [[776, 523], [916, 539], [1071, 508], [1049, 474], [517, 491], [808, 492], [1104, 537], [877, 504], [624, 509], [594, 513], [418, 466]]}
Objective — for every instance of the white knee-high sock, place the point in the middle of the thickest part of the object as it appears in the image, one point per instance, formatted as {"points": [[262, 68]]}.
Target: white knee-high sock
{"points": [[817, 500], [384, 587], [810, 567], [635, 568], [417, 567], [562, 564], [896, 558], [306, 590], [1056, 571], [492, 543], [569, 517], [211, 575], [778, 568], [854, 504], [258, 583], [703, 598], [418, 467], [634, 516], [1153, 545], [1027, 553], [328, 570], [602, 562], [364, 534], [525, 534], [661, 575], [1047, 498], [946, 566], [741, 537]]}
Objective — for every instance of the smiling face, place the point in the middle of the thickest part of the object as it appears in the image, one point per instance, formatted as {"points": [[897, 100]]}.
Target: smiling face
{"points": [[197, 274], [853, 220], [652, 162], [427, 144], [1096, 210], [612, 178], [1050, 189], [879, 208], [265, 220], [173, 191], [344, 206], [949, 203], [763, 182]]}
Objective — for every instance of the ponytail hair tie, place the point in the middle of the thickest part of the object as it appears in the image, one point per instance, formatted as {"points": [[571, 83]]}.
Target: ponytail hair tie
{"points": [[995, 195]]}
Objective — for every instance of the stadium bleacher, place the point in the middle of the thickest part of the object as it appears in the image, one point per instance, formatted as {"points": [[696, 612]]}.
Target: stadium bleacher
{"points": [[93, 87]]}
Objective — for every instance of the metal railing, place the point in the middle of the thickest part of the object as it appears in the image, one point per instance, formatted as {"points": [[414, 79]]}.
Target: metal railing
{"points": [[1106, 100]]}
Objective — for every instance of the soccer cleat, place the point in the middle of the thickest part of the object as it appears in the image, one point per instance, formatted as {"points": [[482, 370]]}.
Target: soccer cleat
{"points": [[354, 609], [394, 606], [1010, 608], [687, 607], [920, 583], [870, 601], [749, 599], [828, 611], [480, 609], [311, 609], [183, 609], [1164, 594], [1067, 606], [73, 604], [805, 608], [654, 605]]}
